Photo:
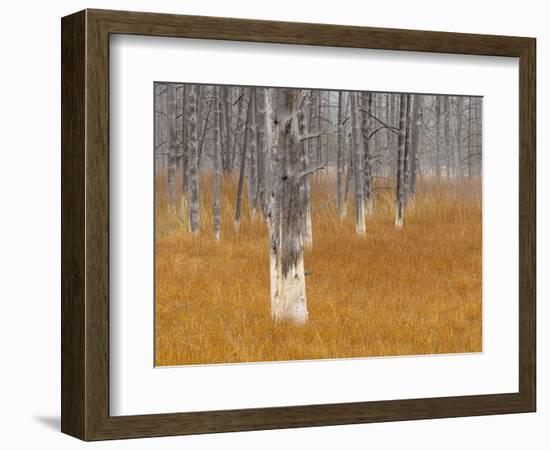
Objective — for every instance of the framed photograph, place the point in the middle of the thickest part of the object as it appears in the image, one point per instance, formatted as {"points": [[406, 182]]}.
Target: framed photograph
{"points": [[273, 225]]}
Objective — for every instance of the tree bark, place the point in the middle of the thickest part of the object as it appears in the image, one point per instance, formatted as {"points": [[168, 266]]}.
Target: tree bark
{"points": [[242, 168], [458, 148], [407, 154], [366, 98], [305, 163], [415, 126], [438, 136], [252, 157], [172, 145], [261, 134], [446, 135], [288, 294], [399, 191], [340, 161], [194, 218], [217, 162], [357, 165]]}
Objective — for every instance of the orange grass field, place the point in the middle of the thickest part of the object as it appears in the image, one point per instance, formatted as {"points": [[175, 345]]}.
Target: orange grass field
{"points": [[396, 292]]}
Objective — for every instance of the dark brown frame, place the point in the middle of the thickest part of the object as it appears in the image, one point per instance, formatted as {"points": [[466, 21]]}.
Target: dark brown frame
{"points": [[85, 224]]}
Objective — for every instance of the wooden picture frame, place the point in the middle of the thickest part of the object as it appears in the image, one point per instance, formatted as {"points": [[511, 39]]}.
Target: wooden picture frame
{"points": [[85, 224]]}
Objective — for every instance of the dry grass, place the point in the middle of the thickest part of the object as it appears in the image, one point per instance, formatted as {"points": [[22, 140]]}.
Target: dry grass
{"points": [[395, 292]]}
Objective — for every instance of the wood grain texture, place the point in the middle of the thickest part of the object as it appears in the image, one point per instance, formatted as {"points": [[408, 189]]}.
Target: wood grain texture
{"points": [[85, 224], [73, 226]]}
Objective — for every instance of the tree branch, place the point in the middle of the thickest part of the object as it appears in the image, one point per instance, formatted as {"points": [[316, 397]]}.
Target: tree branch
{"points": [[311, 171], [389, 127], [316, 135]]}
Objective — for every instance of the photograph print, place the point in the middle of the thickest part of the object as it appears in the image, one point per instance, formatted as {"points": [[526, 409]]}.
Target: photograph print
{"points": [[306, 224]]}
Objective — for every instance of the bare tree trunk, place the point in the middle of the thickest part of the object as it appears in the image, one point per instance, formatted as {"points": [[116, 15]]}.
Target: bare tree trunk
{"points": [[226, 125], [415, 126], [407, 154], [160, 126], [194, 218], [458, 152], [185, 157], [261, 134], [217, 162], [238, 208], [366, 98], [303, 125], [205, 128], [470, 137], [340, 161], [399, 191], [446, 135], [252, 155], [288, 292], [172, 145], [377, 102], [438, 136], [357, 165], [237, 133]]}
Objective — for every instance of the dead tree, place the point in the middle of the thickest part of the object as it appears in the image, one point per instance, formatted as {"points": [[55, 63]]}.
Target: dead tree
{"points": [[400, 188], [261, 135], [172, 145], [305, 139], [242, 167], [217, 162], [192, 147], [413, 158], [340, 157], [286, 207], [446, 135], [366, 98], [357, 149], [407, 152], [438, 136], [252, 156], [458, 147]]}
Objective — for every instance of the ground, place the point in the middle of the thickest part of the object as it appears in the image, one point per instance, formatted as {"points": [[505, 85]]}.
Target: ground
{"points": [[409, 291]]}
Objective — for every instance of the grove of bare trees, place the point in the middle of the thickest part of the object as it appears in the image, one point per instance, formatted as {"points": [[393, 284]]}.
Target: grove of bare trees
{"points": [[274, 140]]}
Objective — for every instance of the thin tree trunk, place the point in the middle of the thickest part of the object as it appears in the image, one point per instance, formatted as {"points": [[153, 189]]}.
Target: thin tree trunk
{"points": [[415, 126], [366, 98], [242, 168], [217, 163], [261, 122], [205, 128], [340, 161], [225, 124], [446, 135], [172, 145], [357, 165], [399, 191], [252, 162], [470, 137], [307, 232], [458, 152], [438, 136], [237, 132], [407, 154], [194, 217]]}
